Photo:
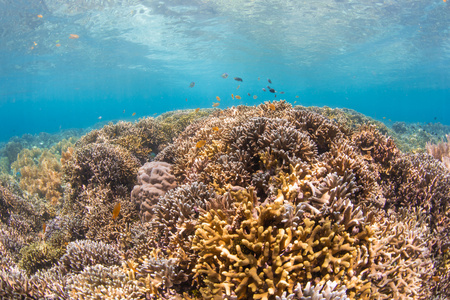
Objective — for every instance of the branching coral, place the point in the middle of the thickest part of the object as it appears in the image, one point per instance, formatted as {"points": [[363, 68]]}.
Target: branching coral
{"points": [[255, 256], [100, 164], [440, 151], [40, 173]]}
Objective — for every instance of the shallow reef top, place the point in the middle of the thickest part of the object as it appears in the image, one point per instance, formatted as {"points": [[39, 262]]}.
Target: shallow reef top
{"points": [[262, 202]]}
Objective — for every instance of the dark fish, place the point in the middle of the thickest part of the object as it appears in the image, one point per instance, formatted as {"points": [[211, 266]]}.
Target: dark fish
{"points": [[264, 89], [435, 118], [192, 84], [268, 87], [270, 81], [272, 90], [281, 92], [238, 79], [248, 94]]}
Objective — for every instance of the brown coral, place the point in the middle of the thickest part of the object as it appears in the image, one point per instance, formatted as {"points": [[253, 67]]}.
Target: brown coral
{"points": [[154, 180]]}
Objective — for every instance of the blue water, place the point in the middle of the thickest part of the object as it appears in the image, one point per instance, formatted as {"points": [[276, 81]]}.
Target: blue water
{"points": [[386, 59]]}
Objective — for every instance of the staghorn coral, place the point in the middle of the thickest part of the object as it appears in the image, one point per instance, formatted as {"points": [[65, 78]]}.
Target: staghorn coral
{"points": [[401, 261], [83, 253], [99, 164], [154, 180], [100, 282], [318, 292], [255, 256]]}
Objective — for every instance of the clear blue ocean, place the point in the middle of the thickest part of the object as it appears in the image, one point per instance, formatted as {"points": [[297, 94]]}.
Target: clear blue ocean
{"points": [[74, 63]]}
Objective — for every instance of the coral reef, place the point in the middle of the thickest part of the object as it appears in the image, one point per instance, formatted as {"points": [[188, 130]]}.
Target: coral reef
{"points": [[441, 151], [267, 202]]}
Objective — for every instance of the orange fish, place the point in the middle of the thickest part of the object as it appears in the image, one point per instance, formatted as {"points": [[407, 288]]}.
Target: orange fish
{"points": [[73, 36], [232, 96], [215, 104], [116, 211], [296, 96], [197, 110], [200, 144], [215, 128], [254, 96], [58, 45], [133, 114], [40, 16], [218, 98], [272, 106], [445, 1], [44, 227], [295, 102], [132, 267], [238, 97]]}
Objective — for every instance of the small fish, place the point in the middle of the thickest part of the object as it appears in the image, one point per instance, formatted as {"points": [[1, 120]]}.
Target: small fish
{"points": [[295, 102], [281, 92], [133, 114], [215, 128], [215, 104], [248, 94], [197, 109], [39, 16], [224, 75], [436, 278], [259, 78], [264, 89], [123, 111], [296, 96], [254, 96], [272, 91], [270, 81], [238, 87], [155, 114], [218, 98], [130, 265], [73, 36], [192, 84], [272, 106], [200, 144], [35, 43], [237, 97], [186, 100], [384, 118], [100, 117], [44, 227], [232, 96], [58, 45], [116, 211], [238, 79]]}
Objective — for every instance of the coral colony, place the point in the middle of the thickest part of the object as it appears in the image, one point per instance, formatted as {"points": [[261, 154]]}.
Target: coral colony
{"points": [[266, 202]]}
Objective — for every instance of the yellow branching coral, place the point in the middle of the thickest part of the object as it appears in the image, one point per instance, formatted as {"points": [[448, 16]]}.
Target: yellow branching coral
{"points": [[253, 255], [40, 173]]}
